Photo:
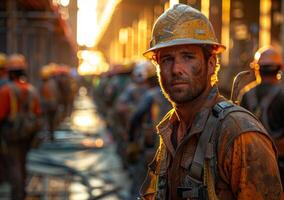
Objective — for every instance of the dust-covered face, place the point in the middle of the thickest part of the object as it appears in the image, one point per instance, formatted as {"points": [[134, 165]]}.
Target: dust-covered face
{"points": [[182, 72]]}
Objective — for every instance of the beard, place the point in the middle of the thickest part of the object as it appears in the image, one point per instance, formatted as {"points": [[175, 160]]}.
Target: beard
{"points": [[186, 93]]}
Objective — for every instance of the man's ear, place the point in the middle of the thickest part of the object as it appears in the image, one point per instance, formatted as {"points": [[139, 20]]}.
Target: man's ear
{"points": [[212, 61]]}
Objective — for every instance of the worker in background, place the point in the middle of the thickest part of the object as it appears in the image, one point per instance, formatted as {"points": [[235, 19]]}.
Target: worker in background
{"points": [[266, 100], [143, 140], [49, 94], [19, 122]]}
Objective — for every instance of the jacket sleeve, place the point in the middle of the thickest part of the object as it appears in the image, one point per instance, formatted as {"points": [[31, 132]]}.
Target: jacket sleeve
{"points": [[250, 167]]}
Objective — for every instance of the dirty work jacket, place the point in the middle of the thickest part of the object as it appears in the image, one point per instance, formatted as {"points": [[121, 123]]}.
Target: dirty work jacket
{"points": [[246, 159], [6, 93]]}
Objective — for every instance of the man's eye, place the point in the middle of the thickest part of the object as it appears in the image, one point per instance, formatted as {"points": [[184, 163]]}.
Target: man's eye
{"points": [[187, 57], [166, 60]]}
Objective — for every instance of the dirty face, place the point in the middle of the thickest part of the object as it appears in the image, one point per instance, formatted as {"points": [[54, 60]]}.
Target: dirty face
{"points": [[183, 73]]}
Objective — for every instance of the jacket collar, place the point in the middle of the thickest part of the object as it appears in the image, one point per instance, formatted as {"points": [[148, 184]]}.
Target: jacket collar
{"points": [[165, 127]]}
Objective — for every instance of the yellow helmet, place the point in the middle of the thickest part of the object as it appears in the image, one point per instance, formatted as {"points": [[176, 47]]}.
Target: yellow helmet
{"points": [[16, 62], [3, 60], [179, 25]]}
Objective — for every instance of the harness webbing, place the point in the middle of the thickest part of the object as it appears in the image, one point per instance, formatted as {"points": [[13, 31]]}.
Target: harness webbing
{"points": [[203, 148]]}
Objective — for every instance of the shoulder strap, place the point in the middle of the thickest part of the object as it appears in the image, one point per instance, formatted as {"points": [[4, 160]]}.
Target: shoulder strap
{"points": [[204, 147]]}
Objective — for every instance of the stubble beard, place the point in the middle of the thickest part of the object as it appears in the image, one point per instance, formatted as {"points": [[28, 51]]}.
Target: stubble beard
{"points": [[183, 95]]}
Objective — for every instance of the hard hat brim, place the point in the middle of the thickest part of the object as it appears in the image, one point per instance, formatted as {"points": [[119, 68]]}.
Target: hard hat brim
{"points": [[151, 52]]}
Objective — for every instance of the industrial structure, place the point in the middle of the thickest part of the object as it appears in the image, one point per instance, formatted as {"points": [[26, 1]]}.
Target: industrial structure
{"points": [[38, 30], [241, 25]]}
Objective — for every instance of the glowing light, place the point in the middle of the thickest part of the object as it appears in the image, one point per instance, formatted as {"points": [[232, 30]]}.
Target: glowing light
{"points": [[64, 3], [106, 18], [92, 62], [225, 40], [173, 2], [86, 69], [265, 23], [83, 120], [257, 55], [99, 142], [205, 5], [123, 35], [279, 75], [93, 143], [87, 26]]}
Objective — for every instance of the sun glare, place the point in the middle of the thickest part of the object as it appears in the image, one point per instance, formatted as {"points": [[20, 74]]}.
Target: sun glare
{"points": [[89, 27], [92, 63]]}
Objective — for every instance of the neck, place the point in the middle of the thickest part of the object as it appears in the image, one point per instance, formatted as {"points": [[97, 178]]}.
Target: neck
{"points": [[187, 111]]}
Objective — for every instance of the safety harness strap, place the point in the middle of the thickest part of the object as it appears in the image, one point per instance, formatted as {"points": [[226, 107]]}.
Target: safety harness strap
{"points": [[196, 167]]}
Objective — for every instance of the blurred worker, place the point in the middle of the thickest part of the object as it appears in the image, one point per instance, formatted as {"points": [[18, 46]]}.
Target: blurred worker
{"points": [[209, 148], [19, 122], [63, 79], [266, 100], [116, 85], [149, 111], [125, 105], [141, 132], [99, 94], [131, 95], [3, 81], [49, 98]]}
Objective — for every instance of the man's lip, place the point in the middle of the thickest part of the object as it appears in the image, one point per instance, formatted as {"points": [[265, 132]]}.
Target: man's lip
{"points": [[178, 83]]}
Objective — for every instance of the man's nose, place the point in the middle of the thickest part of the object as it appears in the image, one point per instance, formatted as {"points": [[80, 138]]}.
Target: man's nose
{"points": [[177, 67]]}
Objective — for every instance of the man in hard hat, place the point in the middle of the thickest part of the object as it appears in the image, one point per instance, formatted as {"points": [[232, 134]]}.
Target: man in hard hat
{"points": [[266, 100], [19, 121], [49, 99], [147, 113], [209, 148]]}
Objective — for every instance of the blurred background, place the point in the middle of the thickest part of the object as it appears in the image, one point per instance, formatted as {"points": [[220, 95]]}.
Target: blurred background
{"points": [[98, 45], [90, 35]]}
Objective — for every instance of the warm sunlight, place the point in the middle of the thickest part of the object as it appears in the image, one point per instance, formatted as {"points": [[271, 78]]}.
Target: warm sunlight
{"points": [[87, 22], [90, 28], [265, 22], [225, 38], [205, 5], [92, 62]]}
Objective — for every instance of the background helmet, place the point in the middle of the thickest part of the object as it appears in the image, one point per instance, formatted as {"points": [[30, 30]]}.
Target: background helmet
{"points": [[179, 25], [16, 62], [144, 70], [267, 59]]}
